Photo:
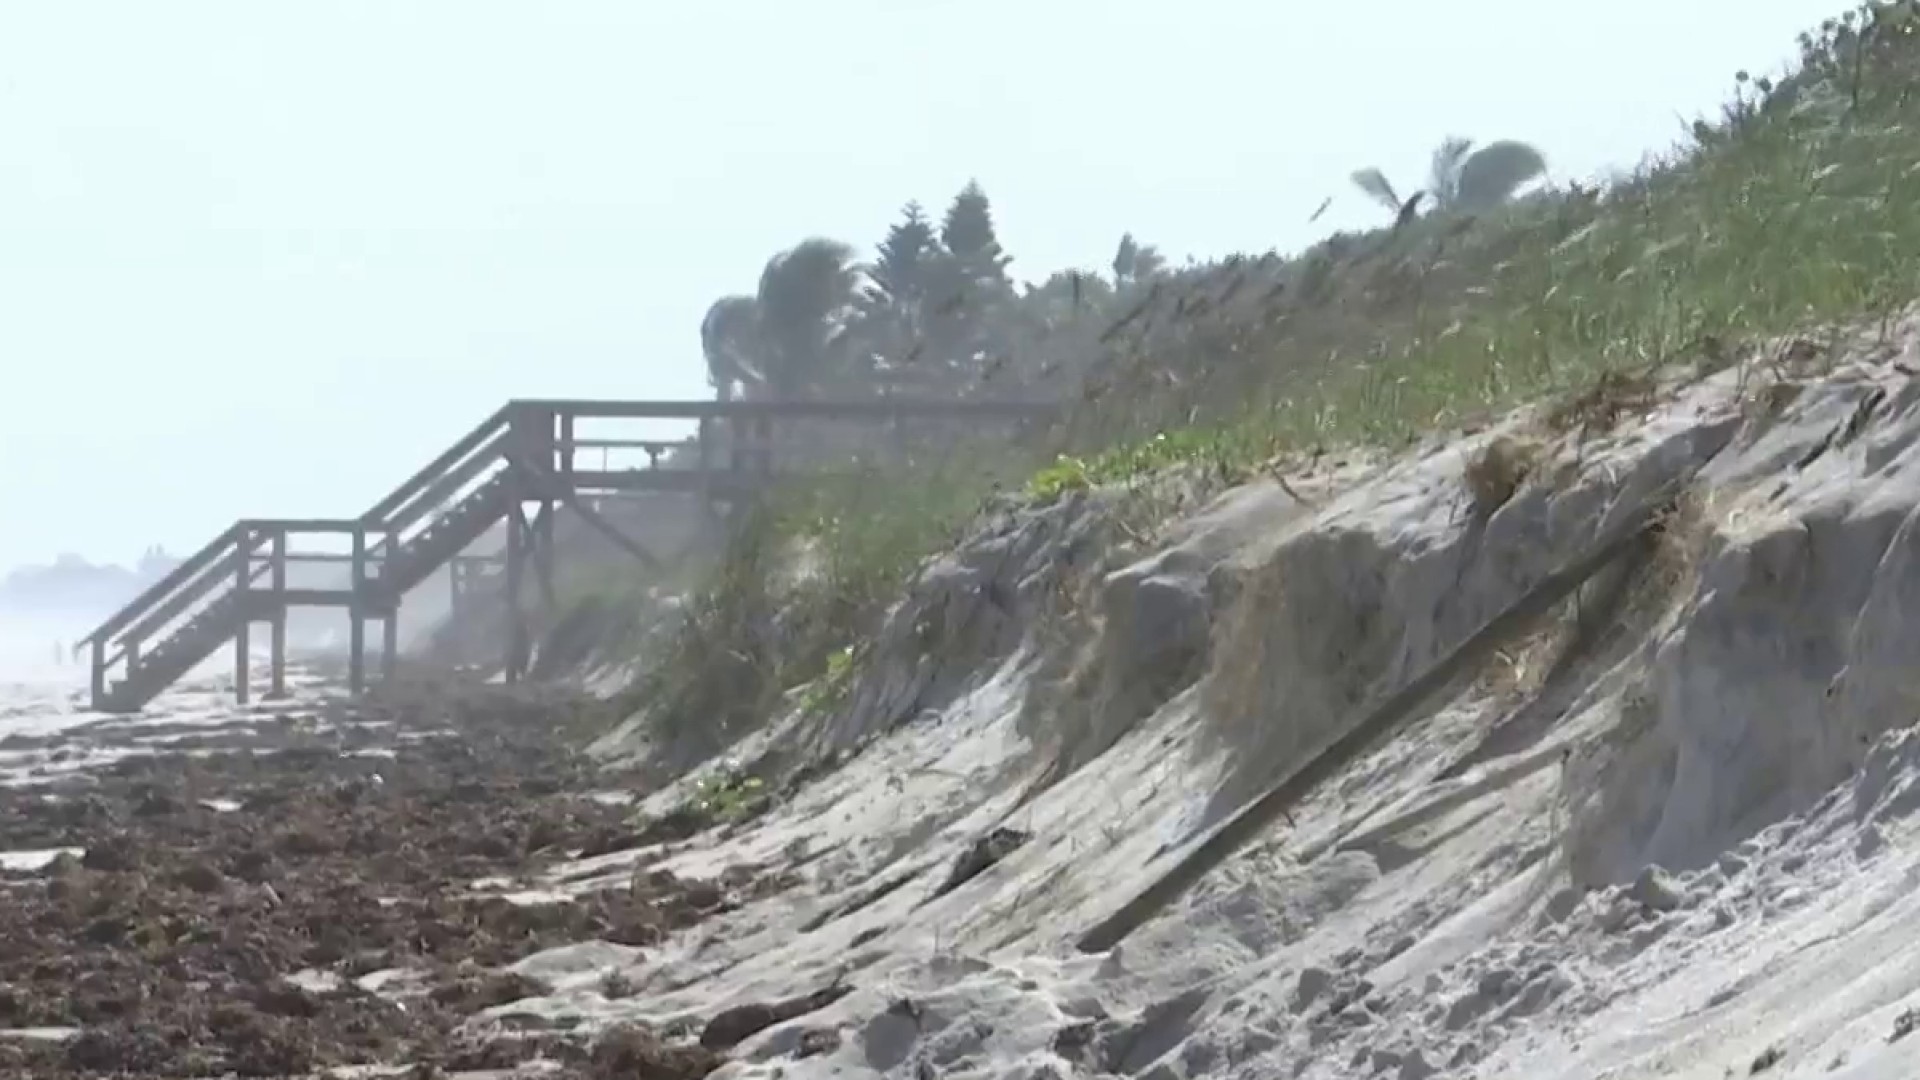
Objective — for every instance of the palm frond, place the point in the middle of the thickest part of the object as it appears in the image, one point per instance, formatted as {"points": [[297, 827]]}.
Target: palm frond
{"points": [[1443, 170], [1378, 187]]}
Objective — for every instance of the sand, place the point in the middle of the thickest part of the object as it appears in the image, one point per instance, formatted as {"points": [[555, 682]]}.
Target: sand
{"points": [[1665, 831]]}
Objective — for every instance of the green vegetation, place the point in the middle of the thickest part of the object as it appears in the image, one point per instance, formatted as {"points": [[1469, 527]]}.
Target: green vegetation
{"points": [[1799, 209], [1795, 210], [727, 795]]}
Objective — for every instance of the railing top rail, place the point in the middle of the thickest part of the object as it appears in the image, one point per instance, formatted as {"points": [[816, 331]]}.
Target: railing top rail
{"points": [[161, 589], [858, 408], [630, 444], [432, 496], [305, 525], [469, 442], [203, 583]]}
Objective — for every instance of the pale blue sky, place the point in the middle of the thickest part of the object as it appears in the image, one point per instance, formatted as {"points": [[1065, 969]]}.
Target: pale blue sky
{"points": [[331, 236]]}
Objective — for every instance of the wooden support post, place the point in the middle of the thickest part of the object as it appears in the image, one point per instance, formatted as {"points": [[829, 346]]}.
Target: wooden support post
{"points": [[97, 687], [763, 439], [543, 549], [516, 543], [243, 611], [709, 507], [390, 640], [357, 617], [277, 646], [566, 448]]}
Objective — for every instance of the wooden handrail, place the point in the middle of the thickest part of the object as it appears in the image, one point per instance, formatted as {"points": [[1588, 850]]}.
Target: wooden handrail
{"points": [[184, 597], [429, 498], [378, 513], [159, 589], [856, 408], [631, 444]]}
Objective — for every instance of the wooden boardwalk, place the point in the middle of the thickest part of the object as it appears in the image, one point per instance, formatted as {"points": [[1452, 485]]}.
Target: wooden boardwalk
{"points": [[519, 466]]}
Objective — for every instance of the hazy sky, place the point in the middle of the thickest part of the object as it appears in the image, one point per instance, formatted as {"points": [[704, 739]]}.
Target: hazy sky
{"points": [[265, 258]]}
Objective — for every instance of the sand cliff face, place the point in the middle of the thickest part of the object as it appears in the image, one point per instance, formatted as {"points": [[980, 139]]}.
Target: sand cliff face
{"points": [[1661, 827]]}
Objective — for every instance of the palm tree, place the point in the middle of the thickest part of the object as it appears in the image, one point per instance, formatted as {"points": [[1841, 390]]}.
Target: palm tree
{"points": [[730, 337], [807, 302], [1460, 178]]}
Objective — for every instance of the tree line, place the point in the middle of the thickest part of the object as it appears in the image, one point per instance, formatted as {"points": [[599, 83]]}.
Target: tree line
{"points": [[935, 312]]}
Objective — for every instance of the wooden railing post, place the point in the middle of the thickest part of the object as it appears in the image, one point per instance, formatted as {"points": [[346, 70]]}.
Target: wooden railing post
{"points": [[544, 552], [705, 453], [278, 640], [357, 616], [243, 612], [516, 555]]}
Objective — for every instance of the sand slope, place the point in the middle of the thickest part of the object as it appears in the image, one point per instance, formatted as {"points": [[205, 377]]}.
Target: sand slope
{"points": [[1667, 832]]}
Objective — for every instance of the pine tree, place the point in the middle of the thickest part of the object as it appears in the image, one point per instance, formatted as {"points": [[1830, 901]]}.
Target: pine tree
{"points": [[969, 235], [1124, 259], [900, 273]]}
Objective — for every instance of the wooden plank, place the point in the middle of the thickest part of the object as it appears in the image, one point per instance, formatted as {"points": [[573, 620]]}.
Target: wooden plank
{"points": [[337, 558], [357, 619], [661, 445], [317, 597], [677, 481], [1254, 818], [242, 578], [277, 646], [516, 620]]}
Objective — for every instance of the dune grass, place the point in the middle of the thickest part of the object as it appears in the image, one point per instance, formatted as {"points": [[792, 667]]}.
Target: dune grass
{"points": [[1795, 211], [796, 590]]}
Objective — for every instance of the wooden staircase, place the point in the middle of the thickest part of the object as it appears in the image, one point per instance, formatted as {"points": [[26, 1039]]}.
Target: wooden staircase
{"points": [[525, 453]]}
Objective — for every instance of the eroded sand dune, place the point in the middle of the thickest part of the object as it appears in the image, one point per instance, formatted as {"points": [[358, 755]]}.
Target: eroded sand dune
{"points": [[1663, 832], [1663, 828]]}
